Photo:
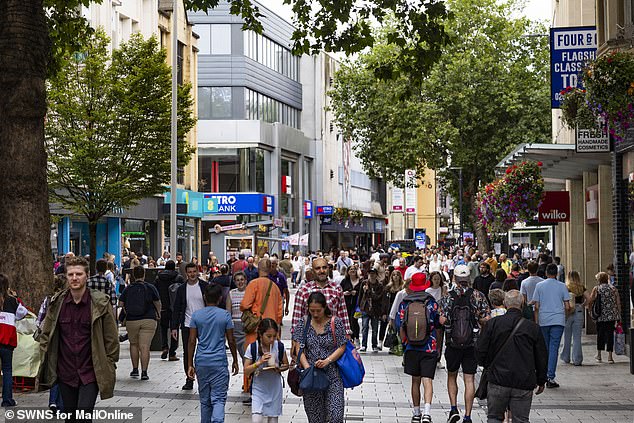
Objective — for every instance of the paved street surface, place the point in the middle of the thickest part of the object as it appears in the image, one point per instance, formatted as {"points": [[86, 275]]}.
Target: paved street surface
{"points": [[593, 392]]}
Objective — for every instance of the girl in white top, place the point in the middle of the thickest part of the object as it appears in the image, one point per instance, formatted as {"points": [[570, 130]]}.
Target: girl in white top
{"points": [[233, 306], [265, 366]]}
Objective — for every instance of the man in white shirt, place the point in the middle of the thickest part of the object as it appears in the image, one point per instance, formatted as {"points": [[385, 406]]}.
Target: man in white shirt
{"points": [[417, 267], [189, 298]]}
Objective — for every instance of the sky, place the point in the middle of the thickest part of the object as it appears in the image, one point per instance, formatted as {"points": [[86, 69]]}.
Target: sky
{"points": [[535, 9]]}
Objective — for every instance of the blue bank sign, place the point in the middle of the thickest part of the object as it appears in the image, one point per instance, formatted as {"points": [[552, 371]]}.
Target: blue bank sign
{"points": [[238, 203], [570, 49]]}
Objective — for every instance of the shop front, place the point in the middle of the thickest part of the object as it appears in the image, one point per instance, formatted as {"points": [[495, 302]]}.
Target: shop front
{"points": [[352, 233], [189, 217]]}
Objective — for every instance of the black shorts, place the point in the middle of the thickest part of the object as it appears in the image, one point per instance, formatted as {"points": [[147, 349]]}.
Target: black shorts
{"points": [[420, 363], [461, 357]]}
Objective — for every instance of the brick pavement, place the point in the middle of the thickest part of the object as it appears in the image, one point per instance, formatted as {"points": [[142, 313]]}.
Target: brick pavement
{"points": [[593, 392]]}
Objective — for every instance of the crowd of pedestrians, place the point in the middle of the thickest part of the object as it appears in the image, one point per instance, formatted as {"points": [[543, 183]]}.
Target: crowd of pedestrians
{"points": [[505, 313]]}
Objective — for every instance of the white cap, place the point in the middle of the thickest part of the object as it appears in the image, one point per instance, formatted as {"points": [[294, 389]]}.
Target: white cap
{"points": [[461, 271], [287, 255]]}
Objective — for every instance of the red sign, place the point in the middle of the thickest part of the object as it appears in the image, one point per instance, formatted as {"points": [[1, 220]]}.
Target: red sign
{"points": [[555, 207]]}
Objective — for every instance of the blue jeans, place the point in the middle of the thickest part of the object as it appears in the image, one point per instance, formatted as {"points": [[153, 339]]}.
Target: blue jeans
{"points": [[552, 337], [572, 335], [213, 384], [54, 397], [368, 320], [6, 356]]}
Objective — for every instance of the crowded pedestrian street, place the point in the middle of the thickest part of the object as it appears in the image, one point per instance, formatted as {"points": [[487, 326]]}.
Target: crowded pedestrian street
{"points": [[590, 393]]}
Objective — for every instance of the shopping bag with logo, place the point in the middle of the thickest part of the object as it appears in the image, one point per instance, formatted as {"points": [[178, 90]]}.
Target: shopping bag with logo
{"points": [[619, 340]]}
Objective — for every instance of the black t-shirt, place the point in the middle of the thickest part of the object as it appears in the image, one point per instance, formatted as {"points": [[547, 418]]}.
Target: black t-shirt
{"points": [[138, 299]]}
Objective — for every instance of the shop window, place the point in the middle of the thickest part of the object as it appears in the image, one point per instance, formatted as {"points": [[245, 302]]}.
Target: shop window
{"points": [[214, 103]]}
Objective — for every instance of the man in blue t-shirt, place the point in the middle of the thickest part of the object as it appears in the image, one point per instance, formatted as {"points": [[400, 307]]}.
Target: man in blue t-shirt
{"points": [[551, 300], [210, 326], [420, 360]]}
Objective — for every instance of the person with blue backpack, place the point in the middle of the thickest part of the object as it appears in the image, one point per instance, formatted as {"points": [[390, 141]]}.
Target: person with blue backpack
{"points": [[264, 360], [417, 318]]}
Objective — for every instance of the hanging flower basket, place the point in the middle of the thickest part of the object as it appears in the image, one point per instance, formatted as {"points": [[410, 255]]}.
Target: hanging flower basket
{"points": [[609, 84], [511, 199], [574, 109]]}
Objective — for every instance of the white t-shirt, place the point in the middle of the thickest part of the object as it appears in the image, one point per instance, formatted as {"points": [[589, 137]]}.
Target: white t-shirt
{"points": [[435, 265], [398, 299], [435, 292], [195, 301], [411, 271]]}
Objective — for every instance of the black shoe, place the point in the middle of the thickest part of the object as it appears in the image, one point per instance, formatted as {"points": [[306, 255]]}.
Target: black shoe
{"points": [[144, 375], [9, 403], [164, 354], [454, 416], [416, 418], [188, 386], [134, 373], [123, 338], [552, 384], [247, 401], [426, 419]]}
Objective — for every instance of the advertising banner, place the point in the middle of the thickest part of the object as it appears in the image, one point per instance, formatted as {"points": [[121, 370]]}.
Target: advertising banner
{"points": [[397, 199], [570, 49], [420, 239], [410, 191], [308, 209]]}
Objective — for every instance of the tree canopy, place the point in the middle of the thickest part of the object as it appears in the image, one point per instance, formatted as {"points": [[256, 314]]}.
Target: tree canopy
{"points": [[487, 93], [108, 126]]}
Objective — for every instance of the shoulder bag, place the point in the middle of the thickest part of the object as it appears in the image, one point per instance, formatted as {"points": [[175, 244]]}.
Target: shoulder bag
{"points": [[311, 379], [250, 321], [350, 365], [481, 392]]}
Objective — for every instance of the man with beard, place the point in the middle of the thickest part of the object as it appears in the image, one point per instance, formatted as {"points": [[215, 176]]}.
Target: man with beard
{"points": [[332, 292], [483, 282]]}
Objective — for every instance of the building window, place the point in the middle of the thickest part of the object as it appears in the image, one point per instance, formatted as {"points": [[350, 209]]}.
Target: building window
{"points": [[261, 107], [231, 170], [271, 54], [214, 103], [179, 61], [214, 39]]}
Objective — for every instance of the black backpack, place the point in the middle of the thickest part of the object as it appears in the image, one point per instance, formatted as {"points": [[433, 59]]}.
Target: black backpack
{"points": [[595, 312], [133, 306], [462, 321]]}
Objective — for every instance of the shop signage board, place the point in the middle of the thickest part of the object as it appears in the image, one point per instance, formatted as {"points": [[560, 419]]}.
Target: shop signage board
{"points": [[570, 49], [397, 199], [555, 207], [593, 140], [238, 203], [308, 209], [325, 210], [410, 191]]}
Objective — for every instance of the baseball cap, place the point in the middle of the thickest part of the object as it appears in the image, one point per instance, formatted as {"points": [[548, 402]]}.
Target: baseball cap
{"points": [[373, 270], [462, 273], [419, 282]]}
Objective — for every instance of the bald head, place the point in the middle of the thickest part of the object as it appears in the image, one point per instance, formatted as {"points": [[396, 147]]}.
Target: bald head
{"points": [[264, 267], [513, 299]]}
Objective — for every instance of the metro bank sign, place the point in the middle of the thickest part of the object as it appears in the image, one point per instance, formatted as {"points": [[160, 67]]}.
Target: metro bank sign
{"points": [[238, 203]]}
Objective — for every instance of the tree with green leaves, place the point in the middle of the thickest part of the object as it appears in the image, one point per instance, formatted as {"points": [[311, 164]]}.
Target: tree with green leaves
{"points": [[488, 92], [36, 34], [108, 128]]}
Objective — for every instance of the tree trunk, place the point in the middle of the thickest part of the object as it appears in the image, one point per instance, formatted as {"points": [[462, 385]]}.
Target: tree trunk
{"points": [[25, 247], [92, 230]]}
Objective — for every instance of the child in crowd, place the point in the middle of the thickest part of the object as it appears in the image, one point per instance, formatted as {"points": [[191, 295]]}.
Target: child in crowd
{"points": [[265, 359]]}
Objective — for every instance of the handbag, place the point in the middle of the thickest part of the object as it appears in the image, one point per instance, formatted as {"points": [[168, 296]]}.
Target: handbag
{"points": [[390, 339], [311, 379], [482, 391], [249, 320], [595, 310], [357, 310], [619, 339], [350, 364], [295, 374]]}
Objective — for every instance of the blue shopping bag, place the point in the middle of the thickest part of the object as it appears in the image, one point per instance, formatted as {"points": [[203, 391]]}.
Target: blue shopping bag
{"points": [[350, 364]]}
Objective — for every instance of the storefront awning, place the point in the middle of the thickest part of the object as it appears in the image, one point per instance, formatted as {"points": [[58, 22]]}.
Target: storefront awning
{"points": [[560, 161]]}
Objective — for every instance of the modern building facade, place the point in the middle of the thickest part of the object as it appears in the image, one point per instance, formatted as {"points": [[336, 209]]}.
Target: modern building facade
{"points": [[251, 147], [144, 228]]}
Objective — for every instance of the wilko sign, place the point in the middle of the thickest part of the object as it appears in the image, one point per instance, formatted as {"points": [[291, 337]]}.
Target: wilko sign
{"points": [[555, 208]]}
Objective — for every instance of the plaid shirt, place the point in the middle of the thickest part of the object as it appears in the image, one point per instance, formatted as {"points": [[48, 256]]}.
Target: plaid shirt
{"points": [[100, 283], [334, 298]]}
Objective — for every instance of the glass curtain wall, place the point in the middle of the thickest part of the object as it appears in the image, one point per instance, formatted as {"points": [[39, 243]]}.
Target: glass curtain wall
{"points": [[231, 169]]}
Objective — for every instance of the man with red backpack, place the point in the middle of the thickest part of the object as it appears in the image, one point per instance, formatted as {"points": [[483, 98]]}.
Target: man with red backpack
{"points": [[464, 311], [417, 319]]}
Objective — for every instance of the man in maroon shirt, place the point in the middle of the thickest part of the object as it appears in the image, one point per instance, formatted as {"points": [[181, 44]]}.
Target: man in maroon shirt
{"points": [[80, 342]]}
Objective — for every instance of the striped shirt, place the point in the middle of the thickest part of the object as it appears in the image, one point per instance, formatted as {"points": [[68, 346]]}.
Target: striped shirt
{"points": [[334, 298], [236, 299]]}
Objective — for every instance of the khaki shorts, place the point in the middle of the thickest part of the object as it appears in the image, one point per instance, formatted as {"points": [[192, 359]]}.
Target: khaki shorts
{"points": [[141, 332]]}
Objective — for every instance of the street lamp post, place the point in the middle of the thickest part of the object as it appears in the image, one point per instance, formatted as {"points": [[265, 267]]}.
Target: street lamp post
{"points": [[174, 141], [459, 169]]}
